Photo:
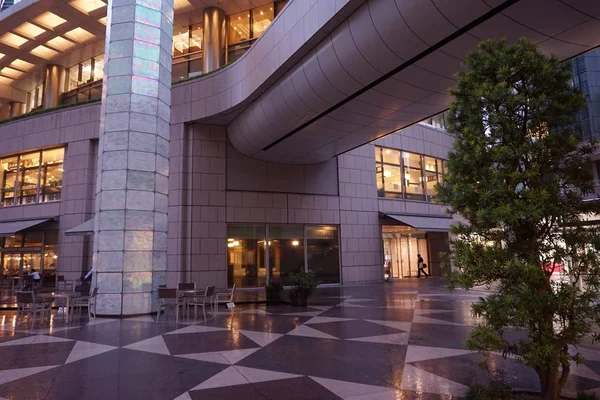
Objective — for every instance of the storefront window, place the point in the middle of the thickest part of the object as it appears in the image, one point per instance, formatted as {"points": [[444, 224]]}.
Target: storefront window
{"points": [[407, 175], [289, 251], [286, 250], [34, 177], [323, 253], [21, 252], [246, 253]]}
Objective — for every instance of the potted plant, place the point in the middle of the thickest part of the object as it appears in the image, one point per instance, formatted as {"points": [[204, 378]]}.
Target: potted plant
{"points": [[273, 289], [303, 285]]}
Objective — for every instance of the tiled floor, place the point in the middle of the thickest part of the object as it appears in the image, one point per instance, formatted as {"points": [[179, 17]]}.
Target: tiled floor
{"points": [[402, 340]]}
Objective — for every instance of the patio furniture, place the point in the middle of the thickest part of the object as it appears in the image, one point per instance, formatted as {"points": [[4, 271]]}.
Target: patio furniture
{"points": [[87, 301], [186, 286], [61, 281], [67, 296], [168, 299], [225, 297], [27, 303], [27, 283], [201, 301]]}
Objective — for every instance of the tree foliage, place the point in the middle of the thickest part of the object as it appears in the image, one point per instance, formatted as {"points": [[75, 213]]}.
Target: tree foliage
{"points": [[519, 177]]}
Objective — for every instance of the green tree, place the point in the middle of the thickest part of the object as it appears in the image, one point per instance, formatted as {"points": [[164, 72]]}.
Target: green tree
{"points": [[518, 175]]}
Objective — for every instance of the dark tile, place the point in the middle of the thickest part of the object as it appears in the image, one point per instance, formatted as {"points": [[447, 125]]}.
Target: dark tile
{"points": [[362, 362], [260, 323], [34, 355], [354, 329], [302, 388], [8, 335], [241, 392], [286, 309], [118, 333], [188, 343], [433, 335], [392, 314]]}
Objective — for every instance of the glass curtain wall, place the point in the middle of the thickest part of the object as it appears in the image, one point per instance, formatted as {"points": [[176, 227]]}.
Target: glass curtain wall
{"points": [[31, 178], [84, 81], [405, 175], [256, 253]]}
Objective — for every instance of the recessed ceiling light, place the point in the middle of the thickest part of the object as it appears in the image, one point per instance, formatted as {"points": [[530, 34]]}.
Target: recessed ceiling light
{"points": [[79, 35], [1, 56], [12, 40], [44, 52], [102, 20], [11, 73], [49, 20], [29, 30], [5, 81], [87, 6], [21, 65], [60, 43]]}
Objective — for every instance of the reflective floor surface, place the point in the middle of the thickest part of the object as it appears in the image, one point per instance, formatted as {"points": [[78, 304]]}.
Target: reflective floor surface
{"points": [[401, 340]]}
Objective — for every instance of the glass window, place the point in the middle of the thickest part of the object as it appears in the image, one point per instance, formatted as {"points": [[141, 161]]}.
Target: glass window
{"points": [[413, 183], [246, 252], [239, 27], [72, 78], [99, 67], [391, 156], [86, 72], [15, 240], [323, 253], [392, 180], [8, 168], [411, 160], [33, 239], [181, 41], [28, 177], [378, 154], [430, 182], [286, 250], [261, 19], [431, 164], [196, 33]]}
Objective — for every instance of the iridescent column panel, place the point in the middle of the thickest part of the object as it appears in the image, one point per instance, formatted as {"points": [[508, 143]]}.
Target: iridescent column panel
{"points": [[130, 233]]}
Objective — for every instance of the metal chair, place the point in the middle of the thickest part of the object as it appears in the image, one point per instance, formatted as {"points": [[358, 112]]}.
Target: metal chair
{"points": [[87, 301], [201, 301], [225, 297], [28, 304], [27, 283], [167, 298], [61, 281], [186, 286]]}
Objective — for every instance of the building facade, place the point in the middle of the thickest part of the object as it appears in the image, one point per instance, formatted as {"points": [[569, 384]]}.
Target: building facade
{"points": [[226, 143]]}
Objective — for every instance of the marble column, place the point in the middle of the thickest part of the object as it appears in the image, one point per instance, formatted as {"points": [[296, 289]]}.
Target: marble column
{"points": [[55, 78], [130, 229], [214, 49]]}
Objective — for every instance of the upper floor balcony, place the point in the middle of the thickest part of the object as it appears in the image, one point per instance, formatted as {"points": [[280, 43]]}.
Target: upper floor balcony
{"points": [[53, 55]]}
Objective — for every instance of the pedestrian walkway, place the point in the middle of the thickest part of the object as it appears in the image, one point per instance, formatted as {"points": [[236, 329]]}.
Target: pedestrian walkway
{"points": [[401, 340]]}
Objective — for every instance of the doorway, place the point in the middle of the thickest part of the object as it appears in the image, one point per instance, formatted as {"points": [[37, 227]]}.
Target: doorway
{"points": [[400, 248]]}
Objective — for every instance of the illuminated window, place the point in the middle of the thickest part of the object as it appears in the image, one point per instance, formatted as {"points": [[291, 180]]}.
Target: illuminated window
{"points": [[405, 175], [35, 98], [88, 71], [32, 178], [239, 27], [181, 41], [261, 19], [22, 252]]}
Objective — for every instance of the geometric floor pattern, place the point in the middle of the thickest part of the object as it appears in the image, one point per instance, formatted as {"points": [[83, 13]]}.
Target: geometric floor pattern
{"points": [[401, 340]]}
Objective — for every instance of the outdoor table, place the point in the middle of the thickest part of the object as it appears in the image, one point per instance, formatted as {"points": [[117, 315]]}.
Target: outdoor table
{"points": [[61, 295], [189, 293]]}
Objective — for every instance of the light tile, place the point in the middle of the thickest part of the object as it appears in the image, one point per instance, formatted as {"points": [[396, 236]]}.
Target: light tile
{"points": [[83, 350], [423, 353], [307, 331], [153, 345], [9, 375], [395, 338], [228, 377], [254, 375], [422, 381], [346, 390], [261, 338]]}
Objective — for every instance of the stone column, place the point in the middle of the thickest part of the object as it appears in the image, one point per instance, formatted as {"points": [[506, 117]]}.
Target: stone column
{"points": [[16, 108], [53, 85], [214, 50], [130, 232]]}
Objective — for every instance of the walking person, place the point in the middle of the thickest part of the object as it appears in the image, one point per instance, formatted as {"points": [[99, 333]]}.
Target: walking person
{"points": [[421, 267]]}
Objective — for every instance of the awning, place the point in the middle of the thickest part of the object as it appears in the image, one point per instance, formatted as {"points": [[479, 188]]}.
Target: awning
{"points": [[424, 223], [9, 228], [87, 228]]}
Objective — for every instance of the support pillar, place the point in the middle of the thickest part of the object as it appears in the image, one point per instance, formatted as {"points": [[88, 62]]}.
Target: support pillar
{"points": [[214, 52], [53, 85], [130, 227], [15, 108]]}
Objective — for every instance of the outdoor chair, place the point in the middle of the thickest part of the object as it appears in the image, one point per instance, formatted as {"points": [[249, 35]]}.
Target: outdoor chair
{"points": [[225, 297], [87, 301], [168, 299], [62, 283], [28, 304], [27, 284], [201, 301]]}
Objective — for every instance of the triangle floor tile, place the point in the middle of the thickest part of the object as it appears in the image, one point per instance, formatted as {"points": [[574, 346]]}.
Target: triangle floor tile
{"points": [[589, 354], [143, 318], [304, 314], [307, 331], [37, 339], [424, 353], [424, 320], [393, 395], [261, 338], [395, 338], [254, 375], [83, 350], [227, 377], [214, 357], [234, 356], [347, 390], [584, 371], [153, 345], [185, 396], [195, 329], [323, 320], [351, 305], [9, 375], [322, 308], [354, 300], [419, 380], [403, 326], [98, 321]]}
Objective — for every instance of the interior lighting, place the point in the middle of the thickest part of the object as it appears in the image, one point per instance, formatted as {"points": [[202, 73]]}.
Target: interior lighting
{"points": [[295, 243], [387, 173], [11, 73], [5, 81], [29, 30], [60, 43], [49, 20], [102, 21], [79, 35], [1, 56], [12, 40], [21, 65], [87, 6], [44, 52]]}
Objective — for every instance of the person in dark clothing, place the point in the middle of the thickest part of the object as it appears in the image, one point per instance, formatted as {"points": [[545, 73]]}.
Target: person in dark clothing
{"points": [[421, 267]]}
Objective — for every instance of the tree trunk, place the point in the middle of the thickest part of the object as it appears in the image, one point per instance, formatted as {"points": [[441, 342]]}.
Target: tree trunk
{"points": [[549, 383]]}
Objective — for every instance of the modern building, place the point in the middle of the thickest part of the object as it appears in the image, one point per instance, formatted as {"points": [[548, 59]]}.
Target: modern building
{"points": [[227, 142]]}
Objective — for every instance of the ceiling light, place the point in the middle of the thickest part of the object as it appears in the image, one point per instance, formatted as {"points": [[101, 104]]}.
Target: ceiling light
{"points": [[29, 30], [102, 20], [21, 65], [1, 56], [60, 43], [13, 40], [5, 81], [49, 20], [79, 35], [87, 6], [44, 52], [11, 73]]}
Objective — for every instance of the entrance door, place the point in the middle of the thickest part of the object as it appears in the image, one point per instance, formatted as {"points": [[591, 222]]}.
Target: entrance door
{"points": [[400, 251]]}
